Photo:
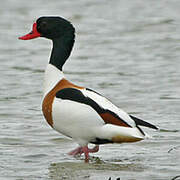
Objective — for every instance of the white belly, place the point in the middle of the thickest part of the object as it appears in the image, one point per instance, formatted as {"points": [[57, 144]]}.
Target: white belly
{"points": [[75, 120]]}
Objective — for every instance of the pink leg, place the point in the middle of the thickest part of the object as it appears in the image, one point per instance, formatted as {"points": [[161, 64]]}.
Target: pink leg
{"points": [[94, 149], [86, 153], [85, 150], [76, 151]]}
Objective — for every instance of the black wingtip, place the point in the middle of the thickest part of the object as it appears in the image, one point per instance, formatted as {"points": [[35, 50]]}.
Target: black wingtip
{"points": [[143, 123]]}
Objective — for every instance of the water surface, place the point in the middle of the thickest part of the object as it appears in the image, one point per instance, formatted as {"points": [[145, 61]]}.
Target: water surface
{"points": [[126, 50]]}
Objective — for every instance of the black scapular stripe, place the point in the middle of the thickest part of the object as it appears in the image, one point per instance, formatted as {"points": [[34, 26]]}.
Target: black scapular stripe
{"points": [[143, 123], [77, 96]]}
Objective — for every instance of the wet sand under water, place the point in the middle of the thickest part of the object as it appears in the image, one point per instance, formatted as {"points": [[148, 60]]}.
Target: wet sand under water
{"points": [[95, 170]]}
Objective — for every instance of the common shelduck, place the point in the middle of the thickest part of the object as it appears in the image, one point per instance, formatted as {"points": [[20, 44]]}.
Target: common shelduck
{"points": [[75, 111]]}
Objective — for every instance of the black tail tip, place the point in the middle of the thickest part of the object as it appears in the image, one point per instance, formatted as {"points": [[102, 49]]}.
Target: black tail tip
{"points": [[143, 123]]}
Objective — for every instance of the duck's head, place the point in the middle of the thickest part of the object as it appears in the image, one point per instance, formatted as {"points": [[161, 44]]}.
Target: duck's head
{"points": [[49, 27], [60, 31]]}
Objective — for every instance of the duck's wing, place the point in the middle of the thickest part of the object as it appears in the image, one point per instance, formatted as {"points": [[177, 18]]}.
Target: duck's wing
{"points": [[118, 113], [110, 113]]}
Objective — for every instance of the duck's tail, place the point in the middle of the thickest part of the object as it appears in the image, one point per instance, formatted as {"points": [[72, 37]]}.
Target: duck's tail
{"points": [[143, 123], [140, 122]]}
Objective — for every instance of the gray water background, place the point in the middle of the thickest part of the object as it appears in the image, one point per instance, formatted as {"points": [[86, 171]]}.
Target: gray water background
{"points": [[128, 51]]}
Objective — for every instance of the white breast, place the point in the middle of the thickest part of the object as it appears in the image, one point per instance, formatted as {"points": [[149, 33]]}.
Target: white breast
{"points": [[51, 78]]}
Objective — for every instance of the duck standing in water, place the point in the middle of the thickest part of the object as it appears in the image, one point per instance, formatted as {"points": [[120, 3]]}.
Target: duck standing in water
{"points": [[75, 111]]}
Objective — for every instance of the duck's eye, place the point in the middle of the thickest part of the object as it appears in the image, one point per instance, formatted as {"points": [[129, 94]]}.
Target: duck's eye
{"points": [[42, 26]]}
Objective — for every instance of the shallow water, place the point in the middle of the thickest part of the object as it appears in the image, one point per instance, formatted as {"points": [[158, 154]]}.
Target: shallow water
{"points": [[128, 51]]}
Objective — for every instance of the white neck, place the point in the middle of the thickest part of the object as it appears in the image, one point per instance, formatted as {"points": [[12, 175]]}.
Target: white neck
{"points": [[51, 78]]}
